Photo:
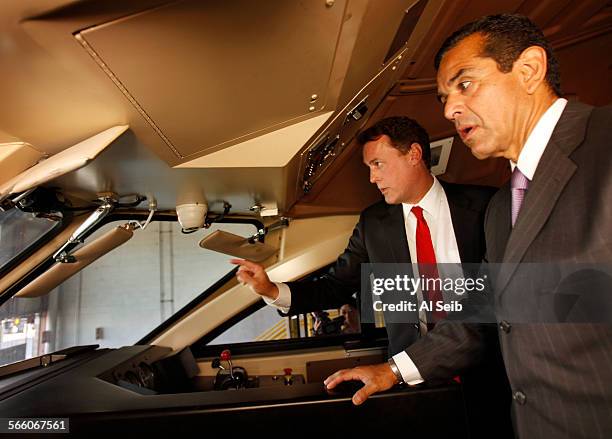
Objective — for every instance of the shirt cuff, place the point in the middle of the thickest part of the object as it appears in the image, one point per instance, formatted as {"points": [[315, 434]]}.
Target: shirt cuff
{"points": [[408, 369], [283, 301]]}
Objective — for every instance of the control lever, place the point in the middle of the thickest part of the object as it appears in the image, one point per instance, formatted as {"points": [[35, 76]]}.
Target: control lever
{"points": [[226, 355], [230, 377]]}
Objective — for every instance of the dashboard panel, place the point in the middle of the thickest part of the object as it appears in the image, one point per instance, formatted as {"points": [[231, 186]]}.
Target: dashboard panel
{"points": [[142, 389]]}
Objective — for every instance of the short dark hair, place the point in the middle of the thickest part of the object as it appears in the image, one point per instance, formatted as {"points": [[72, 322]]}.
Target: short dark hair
{"points": [[505, 38], [402, 131]]}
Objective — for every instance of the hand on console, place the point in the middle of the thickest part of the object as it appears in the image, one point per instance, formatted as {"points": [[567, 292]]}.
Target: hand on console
{"points": [[376, 378]]}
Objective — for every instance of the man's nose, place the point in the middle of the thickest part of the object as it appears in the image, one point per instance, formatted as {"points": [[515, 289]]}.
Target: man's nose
{"points": [[452, 107], [373, 176]]}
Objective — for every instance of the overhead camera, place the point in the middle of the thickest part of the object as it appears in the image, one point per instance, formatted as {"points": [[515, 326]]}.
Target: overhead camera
{"points": [[192, 216]]}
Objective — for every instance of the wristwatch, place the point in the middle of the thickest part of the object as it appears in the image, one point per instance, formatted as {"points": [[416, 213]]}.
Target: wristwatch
{"points": [[395, 370]]}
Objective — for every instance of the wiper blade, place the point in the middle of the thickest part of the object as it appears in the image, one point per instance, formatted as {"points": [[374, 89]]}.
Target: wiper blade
{"points": [[45, 360]]}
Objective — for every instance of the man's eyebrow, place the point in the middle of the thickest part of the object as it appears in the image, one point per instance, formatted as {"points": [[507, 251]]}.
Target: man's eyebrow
{"points": [[459, 73], [441, 96]]}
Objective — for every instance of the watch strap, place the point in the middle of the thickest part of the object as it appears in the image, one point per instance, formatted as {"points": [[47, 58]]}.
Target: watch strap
{"points": [[396, 371]]}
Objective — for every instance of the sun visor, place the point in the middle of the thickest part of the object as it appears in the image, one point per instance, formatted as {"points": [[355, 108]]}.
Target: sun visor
{"points": [[84, 256], [237, 246], [62, 163]]}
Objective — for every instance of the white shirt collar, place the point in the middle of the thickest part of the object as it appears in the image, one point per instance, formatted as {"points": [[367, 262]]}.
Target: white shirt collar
{"points": [[532, 151], [430, 202]]}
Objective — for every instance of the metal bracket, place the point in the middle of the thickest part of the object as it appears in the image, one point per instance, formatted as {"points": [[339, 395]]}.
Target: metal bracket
{"points": [[261, 233], [358, 111], [265, 209]]}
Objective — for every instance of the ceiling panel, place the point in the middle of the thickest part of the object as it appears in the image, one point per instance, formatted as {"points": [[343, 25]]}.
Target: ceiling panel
{"points": [[179, 63]]}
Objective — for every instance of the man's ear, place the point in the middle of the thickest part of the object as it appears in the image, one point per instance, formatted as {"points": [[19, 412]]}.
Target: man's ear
{"points": [[531, 68], [415, 153]]}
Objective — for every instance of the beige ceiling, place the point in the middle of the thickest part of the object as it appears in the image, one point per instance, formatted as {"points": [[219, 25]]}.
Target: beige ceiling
{"points": [[249, 84]]}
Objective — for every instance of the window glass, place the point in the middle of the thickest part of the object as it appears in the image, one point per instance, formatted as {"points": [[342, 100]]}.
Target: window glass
{"points": [[119, 298], [267, 324], [18, 231]]}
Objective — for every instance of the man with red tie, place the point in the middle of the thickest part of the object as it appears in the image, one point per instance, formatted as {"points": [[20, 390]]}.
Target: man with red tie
{"points": [[421, 219]]}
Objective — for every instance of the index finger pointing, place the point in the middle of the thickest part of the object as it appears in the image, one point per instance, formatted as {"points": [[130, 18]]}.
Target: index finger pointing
{"points": [[245, 263]]}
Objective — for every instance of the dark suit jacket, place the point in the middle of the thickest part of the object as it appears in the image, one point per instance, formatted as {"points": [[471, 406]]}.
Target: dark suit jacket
{"points": [[560, 373], [380, 237]]}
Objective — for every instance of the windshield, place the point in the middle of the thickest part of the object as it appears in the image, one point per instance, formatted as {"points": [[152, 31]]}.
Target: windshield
{"points": [[119, 298], [18, 231]]}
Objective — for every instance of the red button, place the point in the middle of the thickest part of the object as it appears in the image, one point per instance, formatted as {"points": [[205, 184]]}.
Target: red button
{"points": [[288, 371], [226, 355]]}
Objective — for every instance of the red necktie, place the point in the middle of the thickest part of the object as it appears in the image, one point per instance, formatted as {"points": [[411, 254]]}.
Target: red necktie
{"points": [[426, 259]]}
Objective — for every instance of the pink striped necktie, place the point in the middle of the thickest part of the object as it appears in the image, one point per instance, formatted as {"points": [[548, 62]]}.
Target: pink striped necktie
{"points": [[518, 188]]}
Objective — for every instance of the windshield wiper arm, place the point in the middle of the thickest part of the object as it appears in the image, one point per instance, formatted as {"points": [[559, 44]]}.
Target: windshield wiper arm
{"points": [[45, 360]]}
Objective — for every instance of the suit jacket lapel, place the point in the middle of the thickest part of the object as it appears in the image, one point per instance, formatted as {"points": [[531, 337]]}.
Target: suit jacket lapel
{"points": [[552, 175], [394, 231], [500, 215]]}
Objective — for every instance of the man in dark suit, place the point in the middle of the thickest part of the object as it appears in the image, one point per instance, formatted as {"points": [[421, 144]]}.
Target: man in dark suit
{"points": [[499, 83], [396, 150]]}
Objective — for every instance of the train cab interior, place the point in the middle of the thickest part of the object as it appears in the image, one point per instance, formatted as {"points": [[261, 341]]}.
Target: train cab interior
{"points": [[144, 144]]}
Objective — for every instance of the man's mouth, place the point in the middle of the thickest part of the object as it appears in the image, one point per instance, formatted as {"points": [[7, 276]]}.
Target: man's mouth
{"points": [[466, 131]]}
